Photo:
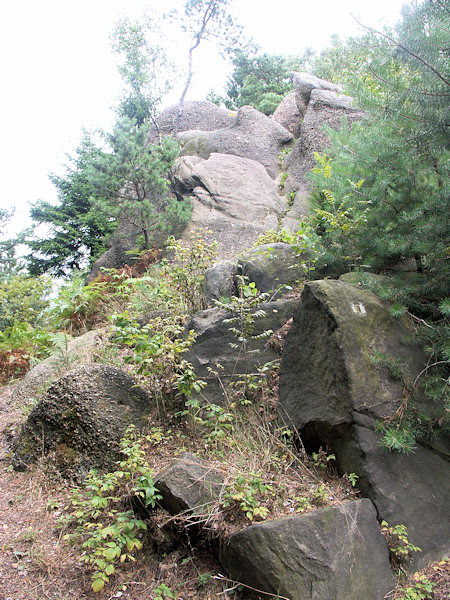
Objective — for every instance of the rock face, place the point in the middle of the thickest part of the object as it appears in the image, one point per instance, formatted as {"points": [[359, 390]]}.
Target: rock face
{"points": [[337, 328], [325, 108], [252, 135], [79, 352], [271, 266], [234, 198], [212, 347], [288, 115], [197, 114], [304, 84], [337, 553], [188, 484], [82, 418], [333, 393], [409, 489]]}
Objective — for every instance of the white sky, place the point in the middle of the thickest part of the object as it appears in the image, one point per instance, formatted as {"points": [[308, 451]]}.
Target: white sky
{"points": [[59, 75]]}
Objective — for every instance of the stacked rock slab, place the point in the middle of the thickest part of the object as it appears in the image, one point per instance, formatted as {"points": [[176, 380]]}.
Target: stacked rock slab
{"points": [[336, 553], [252, 135], [334, 394], [232, 197], [214, 355]]}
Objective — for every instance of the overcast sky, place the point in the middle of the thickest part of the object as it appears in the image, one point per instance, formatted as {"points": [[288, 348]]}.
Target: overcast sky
{"points": [[59, 75]]}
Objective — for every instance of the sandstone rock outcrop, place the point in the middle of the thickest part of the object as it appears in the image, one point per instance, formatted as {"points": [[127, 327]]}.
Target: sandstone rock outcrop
{"points": [[212, 347], [234, 198], [195, 114], [252, 135], [337, 553], [188, 484], [334, 393], [288, 115], [81, 419]]}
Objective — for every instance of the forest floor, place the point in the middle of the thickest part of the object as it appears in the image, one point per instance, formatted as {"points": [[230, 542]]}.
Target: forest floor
{"points": [[36, 563]]}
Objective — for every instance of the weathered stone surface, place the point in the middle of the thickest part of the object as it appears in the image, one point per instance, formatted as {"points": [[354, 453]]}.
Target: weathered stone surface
{"points": [[212, 346], [409, 489], [188, 484], [336, 553], [235, 199], [81, 419], [122, 243], [183, 173], [327, 373], [219, 281], [288, 115], [271, 265], [304, 84], [195, 114], [325, 107], [333, 393], [252, 135], [79, 352]]}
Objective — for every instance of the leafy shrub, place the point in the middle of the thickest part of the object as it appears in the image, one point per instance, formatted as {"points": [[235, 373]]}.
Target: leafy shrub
{"points": [[107, 531]]}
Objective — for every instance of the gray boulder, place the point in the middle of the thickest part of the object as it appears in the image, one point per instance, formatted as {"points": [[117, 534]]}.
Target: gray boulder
{"points": [[81, 419], [288, 115], [79, 352], [195, 114], [212, 347], [412, 490], [325, 108], [336, 553], [272, 266], [252, 135], [235, 199], [333, 393], [219, 282], [188, 484], [304, 84], [327, 374]]}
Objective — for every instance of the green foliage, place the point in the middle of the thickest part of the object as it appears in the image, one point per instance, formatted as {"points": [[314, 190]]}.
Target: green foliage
{"points": [[247, 491], [143, 66], [21, 346], [74, 234], [163, 592], [401, 151], [108, 534], [422, 589], [187, 270], [338, 220], [10, 265], [321, 459], [262, 80], [400, 547], [23, 299]]}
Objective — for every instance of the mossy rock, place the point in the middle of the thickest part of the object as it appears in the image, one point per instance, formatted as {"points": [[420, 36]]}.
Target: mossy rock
{"points": [[82, 418]]}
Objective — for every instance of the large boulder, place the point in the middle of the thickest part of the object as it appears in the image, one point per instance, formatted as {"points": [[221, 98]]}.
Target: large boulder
{"points": [[219, 282], [195, 114], [252, 135], [214, 349], [409, 489], [82, 418], [328, 373], [334, 393], [336, 553], [235, 199], [188, 485], [79, 351], [272, 266], [288, 115], [324, 108], [304, 84]]}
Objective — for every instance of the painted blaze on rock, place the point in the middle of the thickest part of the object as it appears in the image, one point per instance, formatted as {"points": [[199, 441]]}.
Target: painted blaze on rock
{"points": [[333, 393], [328, 373]]}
